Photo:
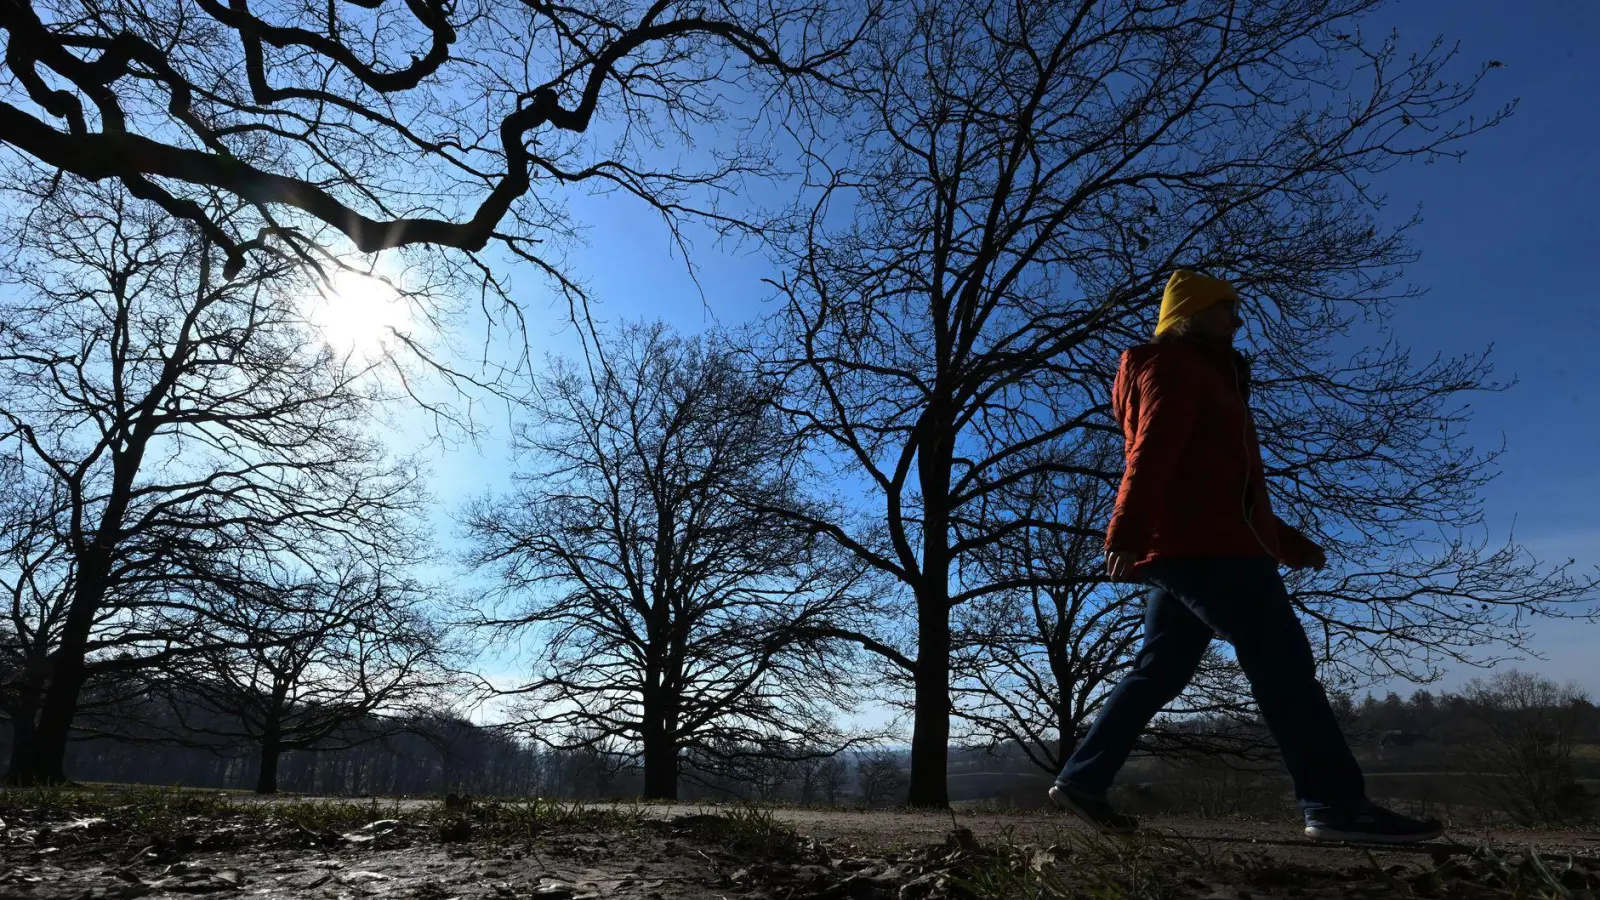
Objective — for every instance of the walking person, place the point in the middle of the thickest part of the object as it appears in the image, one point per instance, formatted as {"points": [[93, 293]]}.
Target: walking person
{"points": [[1193, 523]]}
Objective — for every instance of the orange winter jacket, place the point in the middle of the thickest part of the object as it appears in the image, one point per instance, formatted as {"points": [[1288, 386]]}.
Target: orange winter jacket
{"points": [[1193, 483]]}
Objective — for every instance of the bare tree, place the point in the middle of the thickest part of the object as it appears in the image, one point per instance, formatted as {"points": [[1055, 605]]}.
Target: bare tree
{"points": [[833, 776], [337, 660], [1020, 180], [181, 435], [1528, 729], [398, 123], [34, 573], [1031, 667], [880, 776], [675, 612]]}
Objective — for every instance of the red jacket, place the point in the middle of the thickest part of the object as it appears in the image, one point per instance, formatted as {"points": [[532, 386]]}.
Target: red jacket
{"points": [[1193, 465]]}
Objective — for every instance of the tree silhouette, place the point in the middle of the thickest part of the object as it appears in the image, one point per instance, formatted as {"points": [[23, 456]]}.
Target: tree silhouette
{"points": [[182, 437], [676, 615], [439, 122], [328, 663], [1528, 730], [879, 777]]}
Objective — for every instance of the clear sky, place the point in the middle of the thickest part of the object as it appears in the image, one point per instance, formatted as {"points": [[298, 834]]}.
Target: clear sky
{"points": [[1508, 243], [1508, 258]]}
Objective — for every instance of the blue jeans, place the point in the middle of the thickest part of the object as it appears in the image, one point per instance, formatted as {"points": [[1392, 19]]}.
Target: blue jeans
{"points": [[1243, 600]]}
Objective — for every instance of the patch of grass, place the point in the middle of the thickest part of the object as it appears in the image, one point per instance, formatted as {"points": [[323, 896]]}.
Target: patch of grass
{"points": [[1529, 875], [324, 815], [536, 814], [180, 815], [161, 813], [748, 832], [1080, 864], [756, 832]]}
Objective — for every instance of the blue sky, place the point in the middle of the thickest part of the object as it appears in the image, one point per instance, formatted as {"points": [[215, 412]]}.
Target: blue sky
{"points": [[1508, 258], [1507, 239]]}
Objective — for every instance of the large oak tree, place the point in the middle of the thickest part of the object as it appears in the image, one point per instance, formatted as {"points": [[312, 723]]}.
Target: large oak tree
{"points": [[675, 615], [1018, 181]]}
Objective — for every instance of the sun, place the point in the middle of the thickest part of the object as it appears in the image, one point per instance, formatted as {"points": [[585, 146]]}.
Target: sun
{"points": [[359, 316]]}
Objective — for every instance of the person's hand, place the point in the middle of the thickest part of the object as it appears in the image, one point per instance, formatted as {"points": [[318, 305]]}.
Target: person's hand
{"points": [[1119, 564], [1317, 559]]}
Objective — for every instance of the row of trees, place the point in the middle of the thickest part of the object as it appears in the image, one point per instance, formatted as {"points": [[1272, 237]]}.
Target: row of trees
{"points": [[1511, 746], [1527, 742], [376, 756], [688, 597], [195, 503], [175, 444], [893, 490], [184, 466], [196, 741]]}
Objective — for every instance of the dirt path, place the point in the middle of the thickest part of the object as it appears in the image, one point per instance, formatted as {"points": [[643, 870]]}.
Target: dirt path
{"points": [[899, 829], [882, 830], [175, 844], [877, 831]]}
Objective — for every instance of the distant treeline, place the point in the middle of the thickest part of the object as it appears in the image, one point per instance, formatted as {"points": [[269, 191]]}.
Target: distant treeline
{"points": [[1534, 747], [1513, 747]]}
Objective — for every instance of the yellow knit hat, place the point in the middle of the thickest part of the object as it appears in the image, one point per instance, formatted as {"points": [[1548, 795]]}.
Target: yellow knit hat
{"points": [[1190, 292]]}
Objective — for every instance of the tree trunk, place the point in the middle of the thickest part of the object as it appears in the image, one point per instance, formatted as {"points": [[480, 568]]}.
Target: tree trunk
{"points": [[267, 772], [271, 748], [660, 748], [1067, 728], [661, 770], [24, 727], [24, 748], [45, 761], [930, 732]]}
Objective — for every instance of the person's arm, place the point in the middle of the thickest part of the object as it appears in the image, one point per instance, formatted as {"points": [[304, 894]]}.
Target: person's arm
{"points": [[1297, 551], [1167, 408]]}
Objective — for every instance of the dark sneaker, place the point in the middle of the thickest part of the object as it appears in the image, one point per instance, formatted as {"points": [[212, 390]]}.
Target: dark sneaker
{"points": [[1374, 826], [1092, 809]]}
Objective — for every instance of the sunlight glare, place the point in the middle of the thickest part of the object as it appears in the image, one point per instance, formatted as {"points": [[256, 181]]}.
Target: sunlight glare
{"points": [[360, 315]]}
